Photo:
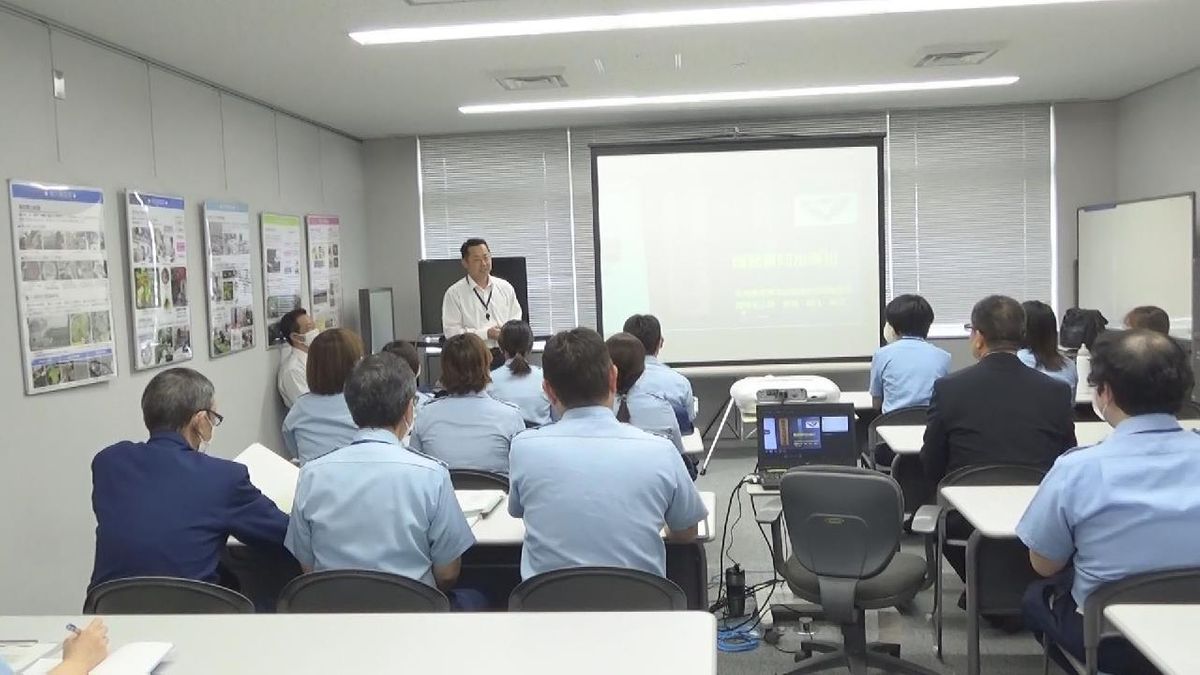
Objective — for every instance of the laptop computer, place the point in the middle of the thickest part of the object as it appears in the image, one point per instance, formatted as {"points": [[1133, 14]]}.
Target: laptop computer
{"points": [[803, 434]]}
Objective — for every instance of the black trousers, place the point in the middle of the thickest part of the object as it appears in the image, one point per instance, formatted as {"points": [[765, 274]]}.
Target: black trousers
{"points": [[1051, 613]]}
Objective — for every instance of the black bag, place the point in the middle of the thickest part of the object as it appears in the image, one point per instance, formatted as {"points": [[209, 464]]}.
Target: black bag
{"points": [[1081, 327]]}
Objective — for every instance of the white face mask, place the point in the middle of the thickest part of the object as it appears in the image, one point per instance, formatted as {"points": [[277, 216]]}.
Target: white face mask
{"points": [[205, 444], [1099, 410], [889, 334], [310, 336]]}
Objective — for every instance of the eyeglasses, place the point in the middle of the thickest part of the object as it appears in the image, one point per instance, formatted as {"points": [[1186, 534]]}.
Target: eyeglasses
{"points": [[215, 417], [968, 327]]}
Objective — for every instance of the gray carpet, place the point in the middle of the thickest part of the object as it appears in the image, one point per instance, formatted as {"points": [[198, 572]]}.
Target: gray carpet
{"points": [[1008, 654]]}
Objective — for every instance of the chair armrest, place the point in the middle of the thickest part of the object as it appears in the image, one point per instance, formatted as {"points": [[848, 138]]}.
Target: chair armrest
{"points": [[925, 520]]}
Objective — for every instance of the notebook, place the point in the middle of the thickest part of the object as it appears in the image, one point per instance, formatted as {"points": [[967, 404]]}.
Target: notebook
{"points": [[135, 658], [273, 475], [19, 654], [478, 503]]}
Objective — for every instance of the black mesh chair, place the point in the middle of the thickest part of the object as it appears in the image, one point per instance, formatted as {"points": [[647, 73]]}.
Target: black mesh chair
{"points": [[164, 595], [470, 479], [878, 455], [359, 592], [597, 589], [845, 527]]}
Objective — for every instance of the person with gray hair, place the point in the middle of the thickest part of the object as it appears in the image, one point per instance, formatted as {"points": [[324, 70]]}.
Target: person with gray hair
{"points": [[376, 504], [164, 507]]}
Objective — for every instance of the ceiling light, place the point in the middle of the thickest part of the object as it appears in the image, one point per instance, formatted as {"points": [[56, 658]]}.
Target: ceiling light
{"points": [[734, 96], [820, 9]]}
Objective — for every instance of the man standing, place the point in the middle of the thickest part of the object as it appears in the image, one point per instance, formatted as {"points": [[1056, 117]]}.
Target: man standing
{"points": [[479, 303], [298, 331], [659, 378]]}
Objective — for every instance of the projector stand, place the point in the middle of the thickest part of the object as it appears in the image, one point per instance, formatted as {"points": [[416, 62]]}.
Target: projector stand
{"points": [[721, 427]]}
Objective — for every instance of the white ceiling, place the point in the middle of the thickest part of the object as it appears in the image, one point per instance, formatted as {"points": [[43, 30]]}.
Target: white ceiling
{"points": [[295, 54]]}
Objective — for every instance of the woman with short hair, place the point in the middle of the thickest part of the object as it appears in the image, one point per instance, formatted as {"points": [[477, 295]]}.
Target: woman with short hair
{"points": [[319, 421]]}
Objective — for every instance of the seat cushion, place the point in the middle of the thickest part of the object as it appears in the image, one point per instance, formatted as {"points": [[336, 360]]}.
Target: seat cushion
{"points": [[896, 584]]}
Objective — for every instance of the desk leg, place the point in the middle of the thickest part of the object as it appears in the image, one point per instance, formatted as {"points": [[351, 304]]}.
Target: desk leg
{"points": [[973, 605]]}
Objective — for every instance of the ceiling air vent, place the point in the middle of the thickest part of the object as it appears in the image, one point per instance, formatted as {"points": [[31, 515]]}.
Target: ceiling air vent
{"points": [[530, 81], [958, 56]]}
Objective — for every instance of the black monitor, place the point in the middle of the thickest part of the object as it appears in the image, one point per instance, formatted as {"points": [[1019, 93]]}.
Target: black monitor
{"points": [[801, 434], [435, 276]]}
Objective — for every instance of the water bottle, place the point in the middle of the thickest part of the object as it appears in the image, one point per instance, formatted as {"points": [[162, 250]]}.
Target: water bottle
{"points": [[735, 591], [1083, 365]]}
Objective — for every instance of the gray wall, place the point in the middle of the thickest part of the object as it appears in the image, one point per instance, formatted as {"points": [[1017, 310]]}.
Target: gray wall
{"points": [[1158, 140], [126, 125], [394, 224]]}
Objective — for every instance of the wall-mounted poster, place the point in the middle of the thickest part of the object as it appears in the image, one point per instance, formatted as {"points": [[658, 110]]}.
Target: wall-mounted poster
{"points": [[64, 304], [162, 315], [325, 270], [230, 286], [282, 251]]}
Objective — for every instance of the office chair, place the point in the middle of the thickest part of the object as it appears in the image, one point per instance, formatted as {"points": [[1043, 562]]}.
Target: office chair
{"points": [[845, 525], [1170, 587], [597, 589], [359, 592], [470, 479], [164, 595], [904, 416], [1005, 565]]}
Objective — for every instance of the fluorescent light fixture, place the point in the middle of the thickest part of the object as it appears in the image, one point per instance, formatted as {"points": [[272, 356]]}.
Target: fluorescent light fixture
{"points": [[717, 16], [735, 96]]}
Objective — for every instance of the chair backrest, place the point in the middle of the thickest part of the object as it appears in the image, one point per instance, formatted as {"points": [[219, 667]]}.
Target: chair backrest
{"points": [[1178, 586], [164, 595], [597, 589], [359, 592], [994, 474], [1189, 411], [470, 479], [917, 414]]}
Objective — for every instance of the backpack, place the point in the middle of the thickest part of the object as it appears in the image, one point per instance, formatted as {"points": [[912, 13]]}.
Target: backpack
{"points": [[1081, 327]]}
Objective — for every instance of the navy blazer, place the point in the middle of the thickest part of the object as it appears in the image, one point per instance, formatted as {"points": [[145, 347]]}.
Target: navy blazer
{"points": [[163, 509]]}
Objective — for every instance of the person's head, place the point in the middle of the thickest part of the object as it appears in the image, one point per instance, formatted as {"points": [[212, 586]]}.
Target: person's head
{"points": [[909, 315], [578, 370], [1041, 334], [181, 400], [406, 351], [1149, 317], [629, 356], [645, 327], [516, 341], [380, 392], [297, 328], [331, 357], [466, 364], [997, 325], [1139, 372], [476, 259]]}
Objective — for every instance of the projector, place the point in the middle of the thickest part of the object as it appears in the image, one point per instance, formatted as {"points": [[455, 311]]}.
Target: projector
{"points": [[748, 392]]}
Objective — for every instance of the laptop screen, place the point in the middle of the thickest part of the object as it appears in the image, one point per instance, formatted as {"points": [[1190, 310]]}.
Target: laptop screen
{"points": [[806, 433]]}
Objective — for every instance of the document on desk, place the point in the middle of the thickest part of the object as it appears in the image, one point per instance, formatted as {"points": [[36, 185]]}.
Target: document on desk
{"points": [[135, 658], [478, 503], [273, 475], [19, 654]]}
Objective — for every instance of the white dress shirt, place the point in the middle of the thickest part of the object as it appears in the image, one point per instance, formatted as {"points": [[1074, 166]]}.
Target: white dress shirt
{"points": [[467, 308], [293, 374]]}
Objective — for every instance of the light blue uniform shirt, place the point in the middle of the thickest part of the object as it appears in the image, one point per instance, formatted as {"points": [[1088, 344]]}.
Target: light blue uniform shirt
{"points": [[652, 413], [317, 425], [524, 391], [375, 505], [903, 373], [595, 492], [472, 431], [4, 669], [1127, 506], [1068, 373], [660, 379], [422, 399]]}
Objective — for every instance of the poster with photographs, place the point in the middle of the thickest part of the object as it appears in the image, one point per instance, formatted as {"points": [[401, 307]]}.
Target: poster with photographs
{"points": [[230, 286], [282, 251], [64, 305], [324, 270], [162, 313]]}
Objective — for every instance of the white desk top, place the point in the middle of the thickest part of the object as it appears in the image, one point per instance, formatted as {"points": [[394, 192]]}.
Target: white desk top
{"points": [[1162, 633], [861, 399], [693, 444], [774, 369], [500, 529], [904, 439], [499, 643], [994, 510]]}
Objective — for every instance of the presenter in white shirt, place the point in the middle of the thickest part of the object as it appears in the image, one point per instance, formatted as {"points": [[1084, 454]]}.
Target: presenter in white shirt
{"points": [[479, 303]]}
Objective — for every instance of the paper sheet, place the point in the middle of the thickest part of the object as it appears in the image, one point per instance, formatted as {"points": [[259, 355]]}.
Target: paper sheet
{"points": [[478, 502], [19, 654], [135, 658], [273, 475]]}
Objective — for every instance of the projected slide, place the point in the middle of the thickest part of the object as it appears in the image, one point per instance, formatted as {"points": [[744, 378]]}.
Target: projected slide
{"points": [[745, 254]]}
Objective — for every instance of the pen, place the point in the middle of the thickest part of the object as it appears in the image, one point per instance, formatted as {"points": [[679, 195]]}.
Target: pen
{"points": [[71, 627]]}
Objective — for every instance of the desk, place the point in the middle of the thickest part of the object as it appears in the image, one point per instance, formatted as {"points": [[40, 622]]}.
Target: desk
{"points": [[1162, 633], [861, 399], [498, 528], [907, 439], [497, 643], [994, 512], [693, 444]]}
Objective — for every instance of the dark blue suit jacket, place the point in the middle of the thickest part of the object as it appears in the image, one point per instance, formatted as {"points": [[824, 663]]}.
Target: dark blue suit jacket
{"points": [[163, 509]]}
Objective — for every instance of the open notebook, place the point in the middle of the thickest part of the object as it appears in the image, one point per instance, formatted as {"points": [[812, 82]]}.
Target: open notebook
{"points": [[135, 658], [273, 475]]}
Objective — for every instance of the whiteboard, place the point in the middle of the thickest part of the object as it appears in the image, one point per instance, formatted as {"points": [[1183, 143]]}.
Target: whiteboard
{"points": [[1138, 253]]}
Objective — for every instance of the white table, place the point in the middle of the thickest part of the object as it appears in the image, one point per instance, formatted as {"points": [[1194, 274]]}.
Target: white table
{"points": [[1162, 633], [452, 643], [500, 529], [693, 444], [861, 399], [907, 439]]}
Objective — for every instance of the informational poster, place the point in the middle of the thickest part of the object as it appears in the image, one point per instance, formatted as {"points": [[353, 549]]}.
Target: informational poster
{"points": [[162, 315], [324, 270], [64, 304], [230, 287], [282, 258]]}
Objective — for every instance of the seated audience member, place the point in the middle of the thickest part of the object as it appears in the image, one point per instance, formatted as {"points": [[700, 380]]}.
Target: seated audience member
{"points": [[374, 504], [644, 410], [518, 382], [80, 652], [298, 331], [467, 429], [1124, 507], [659, 378], [1039, 349], [319, 421], [1149, 318], [997, 411], [408, 353], [164, 508], [903, 372], [593, 491]]}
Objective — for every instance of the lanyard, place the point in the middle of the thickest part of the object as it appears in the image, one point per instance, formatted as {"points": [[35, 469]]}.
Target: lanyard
{"points": [[487, 304]]}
